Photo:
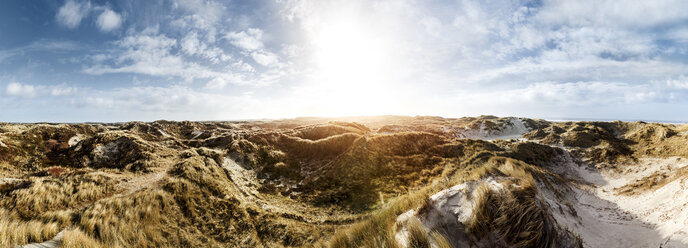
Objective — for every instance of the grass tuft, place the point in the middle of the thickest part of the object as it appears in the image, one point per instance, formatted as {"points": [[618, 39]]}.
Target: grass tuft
{"points": [[417, 236]]}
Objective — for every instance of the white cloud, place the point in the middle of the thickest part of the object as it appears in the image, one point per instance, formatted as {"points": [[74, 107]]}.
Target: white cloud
{"points": [[249, 40], [72, 12], [152, 54], [20, 90], [503, 54], [145, 54], [680, 35], [551, 67], [473, 22], [265, 58], [109, 20], [98, 58], [206, 13], [587, 94], [291, 50], [191, 45], [242, 66], [679, 83], [190, 51], [173, 102], [62, 90], [39, 46], [216, 83], [611, 13], [433, 26]]}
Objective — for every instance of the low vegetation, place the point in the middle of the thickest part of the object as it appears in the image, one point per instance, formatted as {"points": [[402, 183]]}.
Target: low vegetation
{"points": [[294, 183]]}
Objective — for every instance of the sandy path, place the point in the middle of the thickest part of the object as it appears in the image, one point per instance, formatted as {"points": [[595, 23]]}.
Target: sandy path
{"points": [[53, 243], [145, 181], [245, 180]]}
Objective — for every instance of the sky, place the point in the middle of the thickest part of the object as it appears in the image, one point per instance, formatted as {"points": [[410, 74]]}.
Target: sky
{"points": [[111, 61]]}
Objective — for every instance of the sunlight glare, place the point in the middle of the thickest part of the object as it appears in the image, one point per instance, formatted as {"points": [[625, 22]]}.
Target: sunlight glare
{"points": [[352, 64]]}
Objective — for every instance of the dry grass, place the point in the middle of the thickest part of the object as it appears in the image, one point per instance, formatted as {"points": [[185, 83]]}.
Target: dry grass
{"points": [[15, 231], [535, 154], [378, 229], [333, 169], [417, 236], [317, 132], [75, 238], [134, 221], [49, 193], [512, 216], [346, 170], [616, 143], [440, 240], [652, 182], [404, 144]]}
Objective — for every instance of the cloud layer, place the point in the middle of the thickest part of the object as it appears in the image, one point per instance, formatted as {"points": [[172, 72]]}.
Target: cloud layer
{"points": [[233, 60]]}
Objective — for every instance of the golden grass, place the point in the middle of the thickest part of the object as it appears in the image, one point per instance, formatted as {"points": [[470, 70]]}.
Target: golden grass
{"points": [[440, 240], [61, 217], [75, 238], [405, 143], [48, 193], [322, 148], [15, 231], [130, 221], [617, 143], [417, 236], [341, 166], [348, 170], [512, 216], [317, 132], [378, 230]]}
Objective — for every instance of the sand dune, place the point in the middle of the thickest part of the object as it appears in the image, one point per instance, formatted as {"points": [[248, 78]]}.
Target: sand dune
{"points": [[388, 181]]}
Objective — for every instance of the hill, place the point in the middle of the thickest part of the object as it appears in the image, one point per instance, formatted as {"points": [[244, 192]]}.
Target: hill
{"points": [[387, 181]]}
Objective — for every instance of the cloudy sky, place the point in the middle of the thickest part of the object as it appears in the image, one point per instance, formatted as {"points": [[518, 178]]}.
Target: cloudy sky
{"points": [[81, 60]]}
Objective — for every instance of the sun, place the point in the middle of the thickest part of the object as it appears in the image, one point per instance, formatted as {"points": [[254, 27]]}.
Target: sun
{"points": [[351, 65], [343, 47]]}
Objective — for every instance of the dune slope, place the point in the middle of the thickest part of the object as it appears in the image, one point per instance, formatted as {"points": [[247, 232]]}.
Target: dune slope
{"points": [[387, 181]]}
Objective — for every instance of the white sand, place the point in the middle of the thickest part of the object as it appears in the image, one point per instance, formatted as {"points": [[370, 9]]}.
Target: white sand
{"points": [[605, 219], [196, 133], [602, 218], [511, 130], [74, 140]]}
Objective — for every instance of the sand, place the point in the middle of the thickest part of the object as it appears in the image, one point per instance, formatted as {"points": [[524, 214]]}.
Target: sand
{"points": [[513, 129], [603, 217], [654, 218]]}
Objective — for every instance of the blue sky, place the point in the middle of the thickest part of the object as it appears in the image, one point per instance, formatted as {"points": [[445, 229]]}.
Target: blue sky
{"points": [[75, 61]]}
